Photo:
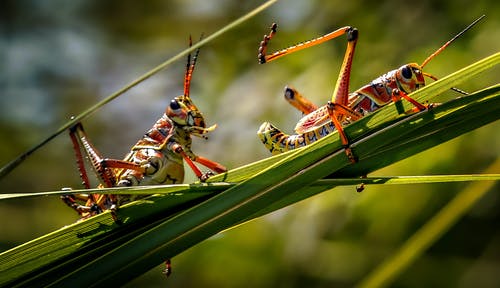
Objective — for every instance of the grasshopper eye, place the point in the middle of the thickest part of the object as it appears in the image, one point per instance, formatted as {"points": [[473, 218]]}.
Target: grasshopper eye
{"points": [[406, 72], [174, 105]]}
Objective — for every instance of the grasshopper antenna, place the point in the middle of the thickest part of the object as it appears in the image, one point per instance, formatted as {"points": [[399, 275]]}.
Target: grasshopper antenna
{"points": [[190, 67], [449, 42], [446, 45]]}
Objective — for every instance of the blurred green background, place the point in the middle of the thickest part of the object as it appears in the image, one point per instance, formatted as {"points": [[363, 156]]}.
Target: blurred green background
{"points": [[60, 57]]}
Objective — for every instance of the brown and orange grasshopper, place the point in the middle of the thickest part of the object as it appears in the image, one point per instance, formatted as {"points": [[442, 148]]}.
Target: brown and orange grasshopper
{"points": [[344, 107], [157, 158]]}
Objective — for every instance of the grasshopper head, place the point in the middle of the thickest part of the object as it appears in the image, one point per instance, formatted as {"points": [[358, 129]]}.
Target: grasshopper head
{"points": [[410, 77], [184, 113], [181, 109]]}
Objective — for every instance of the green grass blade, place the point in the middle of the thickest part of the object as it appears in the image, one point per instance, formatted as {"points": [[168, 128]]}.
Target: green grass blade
{"points": [[177, 189], [405, 180], [216, 187], [251, 197], [90, 238], [104, 253]]}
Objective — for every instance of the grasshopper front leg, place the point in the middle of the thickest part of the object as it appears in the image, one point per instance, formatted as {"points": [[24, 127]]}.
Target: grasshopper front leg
{"points": [[212, 165]]}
